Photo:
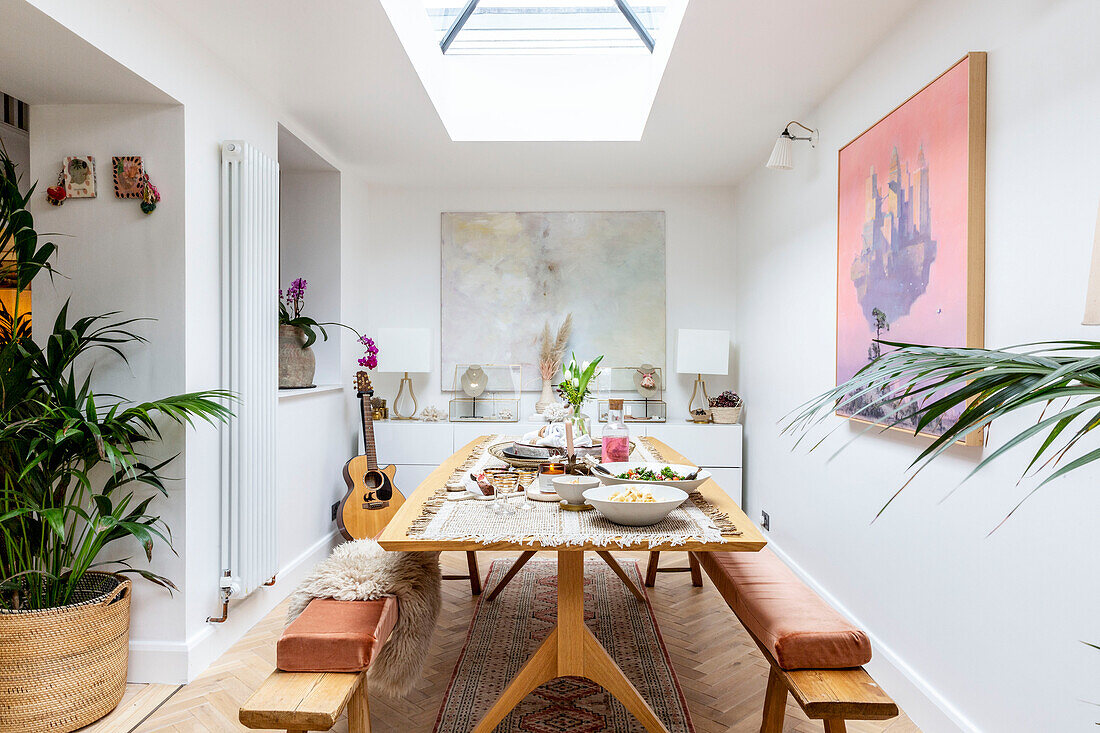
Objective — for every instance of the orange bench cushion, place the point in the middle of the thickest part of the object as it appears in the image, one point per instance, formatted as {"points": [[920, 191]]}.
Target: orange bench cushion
{"points": [[336, 636], [799, 629]]}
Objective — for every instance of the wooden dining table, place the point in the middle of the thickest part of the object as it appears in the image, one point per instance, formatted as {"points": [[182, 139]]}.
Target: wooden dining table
{"points": [[570, 649]]}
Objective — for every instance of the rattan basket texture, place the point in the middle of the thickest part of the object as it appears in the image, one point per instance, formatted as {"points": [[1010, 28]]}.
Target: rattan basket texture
{"points": [[64, 668], [725, 415]]}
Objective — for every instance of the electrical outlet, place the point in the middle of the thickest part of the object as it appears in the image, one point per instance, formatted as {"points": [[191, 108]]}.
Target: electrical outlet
{"points": [[765, 521], [335, 508]]}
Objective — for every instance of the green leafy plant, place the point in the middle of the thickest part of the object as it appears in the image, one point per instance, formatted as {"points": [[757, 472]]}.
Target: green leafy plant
{"points": [[291, 304], [926, 382], [71, 460], [575, 380]]}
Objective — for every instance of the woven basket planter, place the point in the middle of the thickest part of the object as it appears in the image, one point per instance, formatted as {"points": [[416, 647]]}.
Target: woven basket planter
{"points": [[64, 668], [726, 415]]}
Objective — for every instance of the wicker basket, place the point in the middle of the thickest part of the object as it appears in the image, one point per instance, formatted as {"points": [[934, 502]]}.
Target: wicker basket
{"points": [[64, 668], [726, 415]]}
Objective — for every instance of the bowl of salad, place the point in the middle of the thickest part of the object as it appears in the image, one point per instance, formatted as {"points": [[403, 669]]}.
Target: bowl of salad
{"points": [[660, 474]]}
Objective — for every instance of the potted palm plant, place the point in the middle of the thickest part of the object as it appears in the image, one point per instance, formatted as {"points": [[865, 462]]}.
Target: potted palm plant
{"points": [[925, 382], [76, 490]]}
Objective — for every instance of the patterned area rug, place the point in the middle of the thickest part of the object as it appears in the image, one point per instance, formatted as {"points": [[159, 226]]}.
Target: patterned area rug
{"points": [[507, 631]]}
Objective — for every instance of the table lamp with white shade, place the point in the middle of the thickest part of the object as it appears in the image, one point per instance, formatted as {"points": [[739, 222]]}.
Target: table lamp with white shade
{"points": [[702, 352], [404, 350]]}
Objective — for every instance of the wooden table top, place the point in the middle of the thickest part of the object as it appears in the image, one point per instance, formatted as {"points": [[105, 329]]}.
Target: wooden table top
{"points": [[396, 536]]}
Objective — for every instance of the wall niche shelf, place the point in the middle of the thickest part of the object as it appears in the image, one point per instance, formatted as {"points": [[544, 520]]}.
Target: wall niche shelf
{"points": [[286, 394]]}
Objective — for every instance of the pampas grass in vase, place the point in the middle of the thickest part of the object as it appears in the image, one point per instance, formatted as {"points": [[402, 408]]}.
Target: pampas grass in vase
{"points": [[551, 355]]}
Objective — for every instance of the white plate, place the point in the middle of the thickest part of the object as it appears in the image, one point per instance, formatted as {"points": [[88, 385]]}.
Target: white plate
{"points": [[617, 468], [636, 514]]}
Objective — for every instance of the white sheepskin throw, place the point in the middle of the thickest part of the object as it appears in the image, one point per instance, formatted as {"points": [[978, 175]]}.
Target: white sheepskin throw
{"points": [[363, 571]]}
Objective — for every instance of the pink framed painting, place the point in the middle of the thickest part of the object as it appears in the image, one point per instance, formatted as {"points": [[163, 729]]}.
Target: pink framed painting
{"points": [[911, 232]]}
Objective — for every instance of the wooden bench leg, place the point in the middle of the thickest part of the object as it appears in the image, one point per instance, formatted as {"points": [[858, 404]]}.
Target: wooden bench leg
{"points": [[696, 572], [475, 574], [519, 563], [651, 569], [834, 725], [775, 704], [359, 709]]}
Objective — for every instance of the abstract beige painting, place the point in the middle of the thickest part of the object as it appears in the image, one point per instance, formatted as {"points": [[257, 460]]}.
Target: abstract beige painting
{"points": [[506, 274]]}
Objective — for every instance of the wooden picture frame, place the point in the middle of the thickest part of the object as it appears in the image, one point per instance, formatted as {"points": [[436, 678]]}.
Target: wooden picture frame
{"points": [[911, 253]]}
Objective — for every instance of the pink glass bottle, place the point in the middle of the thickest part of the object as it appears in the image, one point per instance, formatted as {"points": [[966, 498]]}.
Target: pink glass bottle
{"points": [[616, 436]]}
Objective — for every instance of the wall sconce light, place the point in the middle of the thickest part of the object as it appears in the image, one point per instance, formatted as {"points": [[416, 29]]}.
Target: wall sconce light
{"points": [[781, 159]]}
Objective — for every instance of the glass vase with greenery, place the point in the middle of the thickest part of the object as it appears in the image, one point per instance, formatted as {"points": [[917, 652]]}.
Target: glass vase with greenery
{"points": [[575, 389], [76, 483]]}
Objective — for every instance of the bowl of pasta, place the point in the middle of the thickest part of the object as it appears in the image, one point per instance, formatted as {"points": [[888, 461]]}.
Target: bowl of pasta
{"points": [[688, 478], [635, 505]]}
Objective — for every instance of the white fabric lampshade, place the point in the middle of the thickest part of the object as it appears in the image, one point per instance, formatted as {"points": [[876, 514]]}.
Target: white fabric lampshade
{"points": [[404, 349], [1092, 298], [702, 352], [782, 158]]}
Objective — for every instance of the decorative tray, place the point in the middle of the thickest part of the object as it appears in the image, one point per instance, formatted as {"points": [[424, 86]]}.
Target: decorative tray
{"points": [[498, 451]]}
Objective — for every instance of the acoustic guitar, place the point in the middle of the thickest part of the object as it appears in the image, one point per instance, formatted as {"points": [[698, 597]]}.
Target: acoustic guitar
{"points": [[372, 498]]}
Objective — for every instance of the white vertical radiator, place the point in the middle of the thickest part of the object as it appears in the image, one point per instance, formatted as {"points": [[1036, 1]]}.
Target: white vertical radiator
{"points": [[249, 364]]}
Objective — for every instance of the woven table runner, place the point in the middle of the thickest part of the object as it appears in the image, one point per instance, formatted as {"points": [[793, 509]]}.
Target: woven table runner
{"points": [[451, 514]]}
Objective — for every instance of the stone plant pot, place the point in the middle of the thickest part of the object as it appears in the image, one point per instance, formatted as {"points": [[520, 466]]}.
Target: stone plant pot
{"points": [[297, 363]]}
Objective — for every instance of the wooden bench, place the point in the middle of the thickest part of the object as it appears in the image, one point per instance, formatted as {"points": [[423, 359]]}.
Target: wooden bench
{"points": [[308, 701], [815, 654], [323, 657]]}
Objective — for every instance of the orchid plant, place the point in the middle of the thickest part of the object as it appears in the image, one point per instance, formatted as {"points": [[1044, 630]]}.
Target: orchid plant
{"points": [[370, 361], [291, 304]]}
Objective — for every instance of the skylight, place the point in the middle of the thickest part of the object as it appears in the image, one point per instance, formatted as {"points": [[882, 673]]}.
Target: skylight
{"points": [[545, 27], [548, 70]]}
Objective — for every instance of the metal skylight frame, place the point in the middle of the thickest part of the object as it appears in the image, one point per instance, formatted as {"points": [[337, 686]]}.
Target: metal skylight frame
{"points": [[471, 5]]}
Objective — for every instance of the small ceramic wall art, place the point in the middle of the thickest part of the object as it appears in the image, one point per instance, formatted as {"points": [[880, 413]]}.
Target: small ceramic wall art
{"points": [[129, 174], [79, 176]]}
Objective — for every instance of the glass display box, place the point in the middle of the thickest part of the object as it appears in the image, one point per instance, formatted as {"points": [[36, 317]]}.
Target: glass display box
{"points": [[486, 393], [641, 388]]}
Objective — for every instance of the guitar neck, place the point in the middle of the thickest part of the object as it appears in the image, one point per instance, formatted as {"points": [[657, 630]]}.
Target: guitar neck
{"points": [[368, 431]]}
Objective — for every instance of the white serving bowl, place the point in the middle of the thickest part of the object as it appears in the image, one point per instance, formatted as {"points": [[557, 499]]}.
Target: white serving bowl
{"points": [[636, 514], [617, 468], [572, 488]]}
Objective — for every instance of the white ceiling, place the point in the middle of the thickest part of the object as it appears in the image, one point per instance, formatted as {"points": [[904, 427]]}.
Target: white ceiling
{"points": [[42, 62], [740, 69]]}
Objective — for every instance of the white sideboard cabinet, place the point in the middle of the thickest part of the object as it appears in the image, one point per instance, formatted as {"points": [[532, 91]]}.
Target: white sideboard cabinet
{"points": [[416, 448]]}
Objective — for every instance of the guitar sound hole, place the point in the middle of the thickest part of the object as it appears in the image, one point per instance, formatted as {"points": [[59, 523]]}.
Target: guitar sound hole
{"points": [[372, 481]]}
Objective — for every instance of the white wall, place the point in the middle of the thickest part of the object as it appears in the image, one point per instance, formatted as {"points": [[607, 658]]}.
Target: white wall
{"points": [[970, 631], [216, 107], [113, 257], [403, 268], [309, 247], [310, 465]]}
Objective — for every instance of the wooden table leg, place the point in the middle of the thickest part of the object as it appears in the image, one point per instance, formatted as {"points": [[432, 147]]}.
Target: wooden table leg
{"points": [[608, 558], [651, 569], [516, 567], [475, 574], [696, 571], [571, 650]]}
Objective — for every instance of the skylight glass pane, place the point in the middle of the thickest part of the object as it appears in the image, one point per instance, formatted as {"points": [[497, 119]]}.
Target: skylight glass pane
{"points": [[545, 26]]}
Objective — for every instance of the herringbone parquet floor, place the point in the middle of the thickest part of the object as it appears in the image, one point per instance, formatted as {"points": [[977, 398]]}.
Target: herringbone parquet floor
{"points": [[722, 672]]}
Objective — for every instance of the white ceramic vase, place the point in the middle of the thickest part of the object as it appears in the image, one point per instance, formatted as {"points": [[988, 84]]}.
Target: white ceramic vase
{"points": [[547, 397]]}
